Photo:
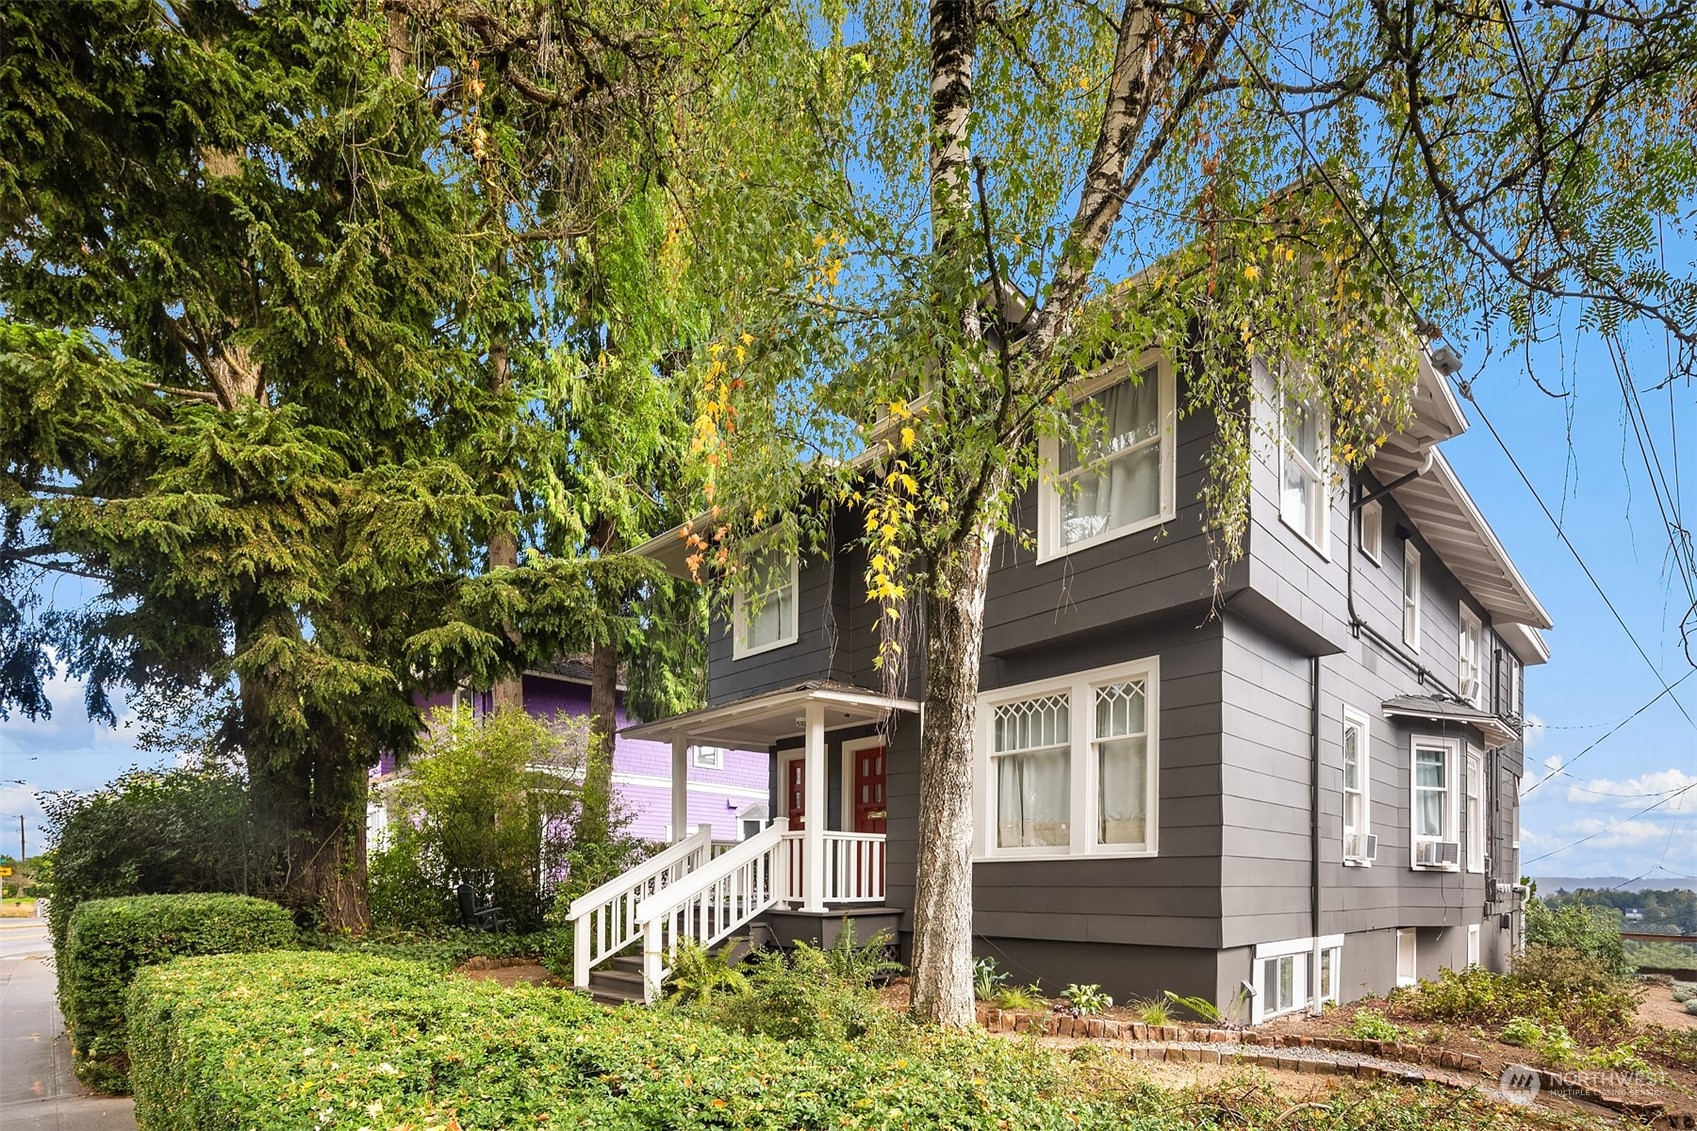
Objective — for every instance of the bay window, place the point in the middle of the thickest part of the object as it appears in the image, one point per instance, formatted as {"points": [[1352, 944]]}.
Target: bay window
{"points": [[1357, 790], [1434, 842], [1068, 766], [1113, 473]]}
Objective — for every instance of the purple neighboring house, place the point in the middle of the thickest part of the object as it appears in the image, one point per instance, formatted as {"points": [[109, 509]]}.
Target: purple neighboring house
{"points": [[728, 789]]}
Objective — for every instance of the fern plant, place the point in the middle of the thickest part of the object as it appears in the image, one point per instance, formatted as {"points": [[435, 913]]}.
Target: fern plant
{"points": [[866, 964], [699, 974]]}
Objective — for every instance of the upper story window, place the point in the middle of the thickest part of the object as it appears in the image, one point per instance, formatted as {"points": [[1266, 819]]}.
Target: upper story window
{"points": [[1068, 767], [1372, 530], [1304, 483], [1435, 817], [1475, 811], [1357, 791], [1511, 693], [1469, 668], [764, 603], [1411, 594], [1115, 474], [709, 757]]}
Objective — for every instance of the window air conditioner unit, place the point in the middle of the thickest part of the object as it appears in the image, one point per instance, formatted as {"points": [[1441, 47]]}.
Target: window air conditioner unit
{"points": [[1363, 847], [1438, 853], [1501, 890]]}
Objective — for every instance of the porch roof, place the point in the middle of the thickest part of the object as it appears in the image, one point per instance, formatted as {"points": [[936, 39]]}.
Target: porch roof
{"points": [[1432, 708], [761, 720]]}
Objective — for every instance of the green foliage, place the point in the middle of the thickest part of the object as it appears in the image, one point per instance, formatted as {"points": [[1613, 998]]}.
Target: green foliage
{"points": [[1021, 997], [700, 974], [1673, 910], [153, 832], [492, 800], [1151, 1011], [1200, 1007], [446, 950], [1086, 999], [987, 978], [1683, 991], [1673, 1048], [870, 963], [1371, 1025], [1547, 985], [1522, 1031], [111, 939], [1592, 931]]}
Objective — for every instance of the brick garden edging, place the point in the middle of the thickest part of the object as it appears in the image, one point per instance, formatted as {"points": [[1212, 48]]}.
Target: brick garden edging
{"points": [[1142, 1036]]}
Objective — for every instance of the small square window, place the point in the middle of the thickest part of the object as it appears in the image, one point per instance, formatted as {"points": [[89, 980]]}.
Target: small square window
{"points": [[709, 757], [1372, 530]]}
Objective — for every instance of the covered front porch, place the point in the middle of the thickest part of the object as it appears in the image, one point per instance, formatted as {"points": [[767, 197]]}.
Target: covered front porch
{"points": [[813, 862]]}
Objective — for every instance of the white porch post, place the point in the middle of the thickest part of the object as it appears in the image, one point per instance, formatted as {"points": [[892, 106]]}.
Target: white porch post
{"points": [[680, 789], [813, 835]]}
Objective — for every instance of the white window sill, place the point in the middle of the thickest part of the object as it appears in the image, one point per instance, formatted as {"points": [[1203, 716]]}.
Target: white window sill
{"points": [[1054, 553], [1303, 534], [740, 653], [1356, 862], [1103, 854], [1435, 867]]}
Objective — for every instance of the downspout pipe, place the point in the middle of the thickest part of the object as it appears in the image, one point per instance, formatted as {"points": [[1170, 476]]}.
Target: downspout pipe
{"points": [[1317, 1002], [1359, 626]]}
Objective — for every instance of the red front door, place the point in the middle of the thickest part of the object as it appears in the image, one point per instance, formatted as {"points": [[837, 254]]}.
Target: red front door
{"points": [[795, 791], [869, 813]]}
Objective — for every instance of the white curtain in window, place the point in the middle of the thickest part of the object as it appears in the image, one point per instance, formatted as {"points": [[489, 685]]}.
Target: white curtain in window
{"points": [[1430, 788], [1116, 481], [1122, 753], [1033, 799]]}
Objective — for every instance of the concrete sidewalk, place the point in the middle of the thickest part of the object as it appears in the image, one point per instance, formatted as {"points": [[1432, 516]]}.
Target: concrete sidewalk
{"points": [[37, 1090]]}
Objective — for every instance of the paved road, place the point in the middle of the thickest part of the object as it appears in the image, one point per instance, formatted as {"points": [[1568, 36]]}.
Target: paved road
{"points": [[37, 1090]]}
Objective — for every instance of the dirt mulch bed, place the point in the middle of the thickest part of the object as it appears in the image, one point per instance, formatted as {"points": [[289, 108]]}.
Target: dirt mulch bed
{"points": [[1676, 1092], [509, 971]]}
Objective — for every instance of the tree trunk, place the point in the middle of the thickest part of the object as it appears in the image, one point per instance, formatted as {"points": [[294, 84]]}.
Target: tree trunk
{"points": [[508, 692], [942, 908], [596, 819]]}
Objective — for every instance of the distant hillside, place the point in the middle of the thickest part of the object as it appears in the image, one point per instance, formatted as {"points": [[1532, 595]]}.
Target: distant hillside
{"points": [[1553, 884]]}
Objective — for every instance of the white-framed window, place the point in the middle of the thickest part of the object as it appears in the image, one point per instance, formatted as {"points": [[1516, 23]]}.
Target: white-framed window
{"points": [[1469, 661], [1432, 785], [1304, 484], [709, 757], [1357, 789], [1512, 706], [1473, 944], [1372, 530], [1116, 475], [748, 827], [1068, 767], [1475, 811], [1283, 975], [1411, 594], [764, 603], [1513, 795], [1406, 971]]}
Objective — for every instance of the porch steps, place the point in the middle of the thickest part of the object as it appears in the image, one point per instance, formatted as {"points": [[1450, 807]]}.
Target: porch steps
{"points": [[618, 982]]}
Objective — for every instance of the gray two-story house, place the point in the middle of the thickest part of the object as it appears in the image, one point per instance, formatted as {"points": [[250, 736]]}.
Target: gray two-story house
{"points": [[1300, 785]]}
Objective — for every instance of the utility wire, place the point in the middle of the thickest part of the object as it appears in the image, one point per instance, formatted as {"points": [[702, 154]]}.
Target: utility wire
{"points": [[1609, 828], [1665, 691]]}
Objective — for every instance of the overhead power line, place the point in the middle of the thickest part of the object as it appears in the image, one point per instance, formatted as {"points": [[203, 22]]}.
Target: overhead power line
{"points": [[1663, 693]]}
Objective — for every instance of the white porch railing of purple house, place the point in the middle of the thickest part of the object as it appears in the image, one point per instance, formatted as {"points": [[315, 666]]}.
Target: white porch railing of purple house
{"points": [[604, 921], [854, 867], [712, 903]]}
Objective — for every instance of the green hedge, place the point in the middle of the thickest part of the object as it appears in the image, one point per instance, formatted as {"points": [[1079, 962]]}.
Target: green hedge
{"points": [[110, 939], [326, 1041]]}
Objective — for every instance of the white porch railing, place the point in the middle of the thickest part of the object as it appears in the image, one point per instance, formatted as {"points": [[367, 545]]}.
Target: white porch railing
{"points": [[712, 903], [604, 921], [854, 867]]}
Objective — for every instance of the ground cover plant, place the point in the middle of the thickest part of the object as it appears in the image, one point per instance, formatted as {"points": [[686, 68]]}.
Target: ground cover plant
{"points": [[338, 1042], [111, 939], [1548, 985], [444, 950]]}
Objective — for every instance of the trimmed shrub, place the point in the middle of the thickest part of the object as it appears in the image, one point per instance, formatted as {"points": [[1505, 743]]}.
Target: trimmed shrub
{"points": [[444, 950], [333, 1042], [111, 939]]}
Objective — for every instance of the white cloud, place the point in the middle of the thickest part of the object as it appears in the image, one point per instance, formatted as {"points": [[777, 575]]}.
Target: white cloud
{"points": [[1533, 733], [1676, 789], [1607, 834]]}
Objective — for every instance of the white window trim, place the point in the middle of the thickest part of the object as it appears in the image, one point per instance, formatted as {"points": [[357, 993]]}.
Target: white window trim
{"points": [[739, 617], [1364, 775], [1470, 670], [1320, 479], [1514, 814], [1473, 950], [707, 757], [1303, 992], [1083, 769], [1049, 545], [1411, 625], [1475, 803], [1452, 800], [1372, 517], [1413, 974]]}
